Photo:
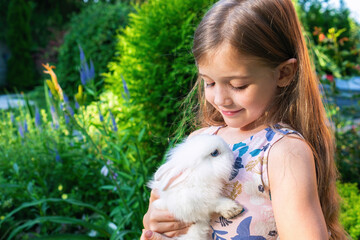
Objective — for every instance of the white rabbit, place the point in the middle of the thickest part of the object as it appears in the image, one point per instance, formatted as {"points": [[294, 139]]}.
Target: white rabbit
{"points": [[191, 181]]}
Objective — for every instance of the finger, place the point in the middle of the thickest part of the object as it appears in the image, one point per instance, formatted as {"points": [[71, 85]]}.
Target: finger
{"points": [[163, 227], [154, 195], [176, 233], [142, 237], [150, 235]]}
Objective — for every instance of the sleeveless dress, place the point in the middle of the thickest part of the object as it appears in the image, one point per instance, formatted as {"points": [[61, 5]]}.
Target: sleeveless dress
{"points": [[249, 185]]}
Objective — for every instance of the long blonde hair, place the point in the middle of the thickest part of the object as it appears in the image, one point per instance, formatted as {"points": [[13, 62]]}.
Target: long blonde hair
{"points": [[271, 31]]}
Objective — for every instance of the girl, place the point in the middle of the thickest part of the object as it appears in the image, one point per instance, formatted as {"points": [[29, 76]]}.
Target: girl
{"points": [[258, 91]]}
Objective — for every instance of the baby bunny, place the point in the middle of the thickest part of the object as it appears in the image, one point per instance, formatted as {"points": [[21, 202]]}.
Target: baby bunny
{"points": [[191, 181]]}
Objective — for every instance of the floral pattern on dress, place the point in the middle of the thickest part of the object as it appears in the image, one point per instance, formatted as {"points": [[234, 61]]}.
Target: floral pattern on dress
{"points": [[249, 185]]}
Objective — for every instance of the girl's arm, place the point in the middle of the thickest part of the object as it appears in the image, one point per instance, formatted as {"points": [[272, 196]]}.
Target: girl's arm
{"points": [[294, 194]]}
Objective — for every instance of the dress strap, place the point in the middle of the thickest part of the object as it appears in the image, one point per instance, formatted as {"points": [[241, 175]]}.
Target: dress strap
{"points": [[217, 130]]}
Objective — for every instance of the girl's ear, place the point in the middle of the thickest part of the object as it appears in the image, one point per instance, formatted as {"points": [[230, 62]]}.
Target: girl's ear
{"points": [[286, 72]]}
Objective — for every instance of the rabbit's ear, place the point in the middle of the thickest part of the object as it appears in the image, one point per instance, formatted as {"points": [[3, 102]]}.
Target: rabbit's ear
{"points": [[168, 176], [163, 170], [176, 179]]}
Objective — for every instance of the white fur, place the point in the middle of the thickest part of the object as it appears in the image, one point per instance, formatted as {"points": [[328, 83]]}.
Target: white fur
{"points": [[191, 181]]}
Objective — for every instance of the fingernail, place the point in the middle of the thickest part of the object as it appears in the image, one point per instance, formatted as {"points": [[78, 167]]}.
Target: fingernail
{"points": [[148, 234]]}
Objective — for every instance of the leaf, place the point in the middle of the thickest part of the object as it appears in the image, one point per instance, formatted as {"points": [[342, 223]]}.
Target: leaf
{"points": [[61, 220], [141, 134], [16, 168], [238, 145], [243, 150], [70, 201], [66, 236], [255, 152]]}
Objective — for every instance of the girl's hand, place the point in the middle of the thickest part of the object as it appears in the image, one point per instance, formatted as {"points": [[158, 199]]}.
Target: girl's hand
{"points": [[161, 221], [150, 235]]}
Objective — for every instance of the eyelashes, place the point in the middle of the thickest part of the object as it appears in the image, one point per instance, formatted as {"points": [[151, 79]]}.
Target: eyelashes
{"points": [[240, 88], [208, 85]]}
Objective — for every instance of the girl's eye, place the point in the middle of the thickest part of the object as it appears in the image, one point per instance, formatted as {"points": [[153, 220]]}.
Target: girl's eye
{"points": [[209, 84], [240, 88]]}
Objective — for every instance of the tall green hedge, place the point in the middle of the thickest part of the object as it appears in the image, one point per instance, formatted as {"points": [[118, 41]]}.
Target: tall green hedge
{"points": [[94, 28], [350, 208], [21, 71], [156, 61]]}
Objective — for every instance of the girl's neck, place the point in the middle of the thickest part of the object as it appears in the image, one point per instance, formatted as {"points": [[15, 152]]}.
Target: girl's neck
{"points": [[234, 135]]}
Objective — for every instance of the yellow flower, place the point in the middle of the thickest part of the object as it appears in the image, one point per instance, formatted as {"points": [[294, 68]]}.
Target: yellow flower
{"points": [[60, 187], [2, 218], [80, 96], [64, 196], [55, 84]]}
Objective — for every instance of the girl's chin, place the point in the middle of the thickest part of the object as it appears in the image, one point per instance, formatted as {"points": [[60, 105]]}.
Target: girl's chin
{"points": [[232, 123]]}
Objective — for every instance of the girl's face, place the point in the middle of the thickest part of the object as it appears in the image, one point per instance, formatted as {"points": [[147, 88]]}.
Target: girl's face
{"points": [[239, 87]]}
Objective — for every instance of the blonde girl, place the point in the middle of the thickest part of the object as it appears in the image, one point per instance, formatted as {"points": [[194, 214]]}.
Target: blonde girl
{"points": [[258, 90]]}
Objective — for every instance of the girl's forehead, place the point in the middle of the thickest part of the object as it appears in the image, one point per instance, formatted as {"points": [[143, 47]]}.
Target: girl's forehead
{"points": [[226, 63], [226, 53]]}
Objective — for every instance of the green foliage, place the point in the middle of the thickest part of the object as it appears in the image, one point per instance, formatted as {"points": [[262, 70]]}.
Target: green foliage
{"points": [[21, 73], [350, 208], [72, 174], [335, 44], [50, 15], [94, 28], [335, 37], [156, 61], [3, 12]]}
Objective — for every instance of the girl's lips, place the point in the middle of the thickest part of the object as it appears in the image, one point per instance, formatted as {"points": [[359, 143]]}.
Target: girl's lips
{"points": [[230, 113]]}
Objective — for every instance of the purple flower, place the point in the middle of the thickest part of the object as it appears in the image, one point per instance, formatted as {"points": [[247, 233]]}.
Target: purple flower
{"points": [[66, 98], [21, 130], [57, 156], [115, 176], [115, 128], [12, 118], [82, 54], [37, 118], [71, 111], [67, 119], [82, 77], [50, 94], [127, 97], [77, 106], [86, 73], [101, 117], [104, 171], [25, 127]]}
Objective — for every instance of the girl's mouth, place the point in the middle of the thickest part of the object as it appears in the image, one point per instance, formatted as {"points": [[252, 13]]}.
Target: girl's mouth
{"points": [[230, 113]]}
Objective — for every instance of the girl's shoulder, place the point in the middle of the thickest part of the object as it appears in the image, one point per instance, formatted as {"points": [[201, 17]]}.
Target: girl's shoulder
{"points": [[290, 148], [205, 130]]}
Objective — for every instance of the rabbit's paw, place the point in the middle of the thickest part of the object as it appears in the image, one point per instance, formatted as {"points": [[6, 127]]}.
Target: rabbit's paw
{"points": [[229, 208]]}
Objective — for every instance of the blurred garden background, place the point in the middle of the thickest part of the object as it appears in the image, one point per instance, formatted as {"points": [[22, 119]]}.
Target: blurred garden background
{"points": [[92, 95]]}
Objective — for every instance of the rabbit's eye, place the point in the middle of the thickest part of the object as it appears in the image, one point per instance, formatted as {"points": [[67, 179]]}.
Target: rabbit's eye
{"points": [[215, 153]]}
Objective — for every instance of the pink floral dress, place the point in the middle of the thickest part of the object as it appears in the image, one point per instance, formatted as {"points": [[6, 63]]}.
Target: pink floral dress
{"points": [[249, 185]]}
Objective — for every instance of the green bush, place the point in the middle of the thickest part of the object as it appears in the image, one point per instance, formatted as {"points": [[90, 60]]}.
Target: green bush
{"points": [[350, 208], [21, 71], [94, 28], [70, 176], [155, 59]]}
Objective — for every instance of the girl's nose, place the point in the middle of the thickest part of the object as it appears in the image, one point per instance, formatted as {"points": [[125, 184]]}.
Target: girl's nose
{"points": [[222, 97]]}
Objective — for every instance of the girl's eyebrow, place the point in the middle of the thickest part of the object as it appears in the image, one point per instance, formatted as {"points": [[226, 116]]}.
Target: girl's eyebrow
{"points": [[226, 78]]}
